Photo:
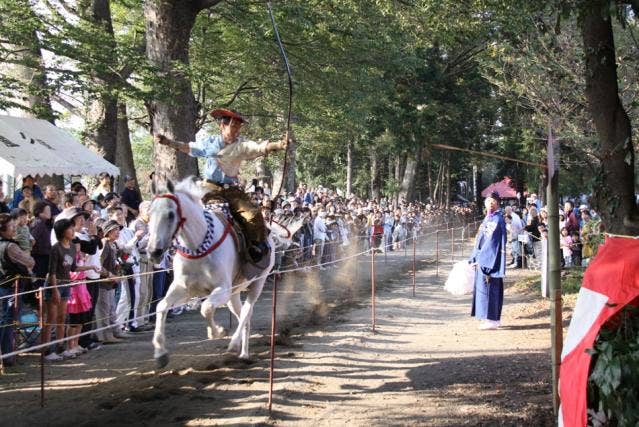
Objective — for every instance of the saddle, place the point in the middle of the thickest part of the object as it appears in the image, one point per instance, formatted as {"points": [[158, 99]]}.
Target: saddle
{"points": [[249, 269]]}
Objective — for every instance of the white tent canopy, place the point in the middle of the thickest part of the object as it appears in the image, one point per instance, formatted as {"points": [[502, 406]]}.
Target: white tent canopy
{"points": [[37, 147]]}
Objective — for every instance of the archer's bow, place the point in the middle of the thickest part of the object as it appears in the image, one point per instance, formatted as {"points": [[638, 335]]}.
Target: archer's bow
{"points": [[290, 94]]}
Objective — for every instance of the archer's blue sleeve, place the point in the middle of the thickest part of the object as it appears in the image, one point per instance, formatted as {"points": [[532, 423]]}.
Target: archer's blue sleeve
{"points": [[206, 147]]}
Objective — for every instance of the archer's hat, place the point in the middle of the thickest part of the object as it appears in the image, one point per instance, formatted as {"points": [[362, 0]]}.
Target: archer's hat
{"points": [[223, 112]]}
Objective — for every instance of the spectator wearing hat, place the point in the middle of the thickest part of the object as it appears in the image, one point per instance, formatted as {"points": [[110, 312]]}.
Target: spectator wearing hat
{"points": [[489, 257], [27, 181], [224, 155], [13, 262], [107, 328], [130, 198]]}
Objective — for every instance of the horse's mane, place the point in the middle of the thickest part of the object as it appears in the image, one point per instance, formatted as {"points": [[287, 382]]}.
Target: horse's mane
{"points": [[191, 188]]}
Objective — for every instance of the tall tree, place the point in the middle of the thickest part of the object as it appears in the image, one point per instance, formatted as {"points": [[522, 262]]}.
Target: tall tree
{"points": [[100, 132], [614, 194], [173, 110]]}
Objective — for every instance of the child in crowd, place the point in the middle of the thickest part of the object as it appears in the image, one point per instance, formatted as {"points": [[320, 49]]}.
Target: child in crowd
{"points": [[79, 305], [576, 248], [23, 235], [565, 243], [62, 262]]}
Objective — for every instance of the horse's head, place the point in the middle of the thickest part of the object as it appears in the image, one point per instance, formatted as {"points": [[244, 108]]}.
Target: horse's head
{"points": [[165, 218], [169, 210]]}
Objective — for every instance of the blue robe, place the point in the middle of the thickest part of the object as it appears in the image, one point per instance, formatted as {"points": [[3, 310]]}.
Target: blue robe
{"points": [[490, 255]]}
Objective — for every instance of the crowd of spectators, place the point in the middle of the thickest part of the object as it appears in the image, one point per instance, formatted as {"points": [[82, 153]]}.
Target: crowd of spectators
{"points": [[88, 250], [88, 253], [580, 228], [335, 226]]}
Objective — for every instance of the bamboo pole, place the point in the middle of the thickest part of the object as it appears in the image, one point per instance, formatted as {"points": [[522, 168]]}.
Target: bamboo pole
{"points": [[437, 252], [414, 269], [373, 288], [271, 376], [554, 271], [41, 324]]}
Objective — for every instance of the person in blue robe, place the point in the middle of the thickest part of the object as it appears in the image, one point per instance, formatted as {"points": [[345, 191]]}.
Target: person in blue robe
{"points": [[489, 258]]}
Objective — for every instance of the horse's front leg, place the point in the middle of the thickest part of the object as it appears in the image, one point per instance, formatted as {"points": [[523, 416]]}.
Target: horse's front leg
{"points": [[176, 295]]}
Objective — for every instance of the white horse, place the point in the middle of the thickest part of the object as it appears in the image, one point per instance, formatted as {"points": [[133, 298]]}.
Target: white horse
{"points": [[209, 266]]}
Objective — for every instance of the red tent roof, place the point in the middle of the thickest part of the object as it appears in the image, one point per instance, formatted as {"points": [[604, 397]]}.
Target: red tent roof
{"points": [[502, 187]]}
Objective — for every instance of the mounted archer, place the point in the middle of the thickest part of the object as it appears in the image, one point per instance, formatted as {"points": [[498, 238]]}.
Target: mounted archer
{"points": [[224, 155]]}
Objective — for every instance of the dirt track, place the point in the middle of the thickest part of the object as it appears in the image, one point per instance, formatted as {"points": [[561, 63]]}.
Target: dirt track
{"points": [[427, 364]]}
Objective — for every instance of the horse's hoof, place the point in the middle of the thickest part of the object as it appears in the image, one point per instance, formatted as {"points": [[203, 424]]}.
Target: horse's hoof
{"points": [[162, 361]]}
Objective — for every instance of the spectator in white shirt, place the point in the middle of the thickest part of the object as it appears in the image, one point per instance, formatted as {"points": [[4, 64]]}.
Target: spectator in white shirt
{"points": [[319, 236]]}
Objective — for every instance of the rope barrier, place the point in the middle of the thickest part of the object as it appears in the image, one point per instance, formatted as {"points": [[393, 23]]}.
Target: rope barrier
{"points": [[200, 299], [124, 277]]}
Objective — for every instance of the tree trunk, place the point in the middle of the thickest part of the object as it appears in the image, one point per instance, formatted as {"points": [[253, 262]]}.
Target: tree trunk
{"points": [[408, 181], [349, 169], [173, 110], [100, 132], [614, 194], [124, 153], [436, 198], [374, 186]]}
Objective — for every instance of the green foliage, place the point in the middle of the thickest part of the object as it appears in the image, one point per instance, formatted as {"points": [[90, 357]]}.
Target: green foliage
{"points": [[612, 385]]}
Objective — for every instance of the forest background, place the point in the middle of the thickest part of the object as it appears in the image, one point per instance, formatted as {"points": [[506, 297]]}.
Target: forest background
{"points": [[376, 85]]}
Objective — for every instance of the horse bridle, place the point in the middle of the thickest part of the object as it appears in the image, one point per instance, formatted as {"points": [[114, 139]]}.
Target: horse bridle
{"points": [[181, 219]]}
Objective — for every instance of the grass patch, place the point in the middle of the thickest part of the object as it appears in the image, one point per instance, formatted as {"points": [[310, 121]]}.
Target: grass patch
{"points": [[571, 280], [528, 285]]}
